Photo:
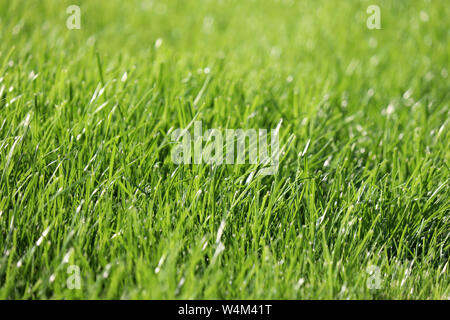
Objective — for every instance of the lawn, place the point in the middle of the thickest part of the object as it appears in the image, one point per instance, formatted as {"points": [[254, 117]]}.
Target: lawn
{"points": [[92, 205]]}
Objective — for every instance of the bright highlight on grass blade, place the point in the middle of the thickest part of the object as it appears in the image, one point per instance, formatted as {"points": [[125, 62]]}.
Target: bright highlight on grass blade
{"points": [[92, 205]]}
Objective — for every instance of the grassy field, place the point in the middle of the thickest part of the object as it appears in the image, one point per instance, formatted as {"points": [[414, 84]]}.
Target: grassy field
{"points": [[358, 209]]}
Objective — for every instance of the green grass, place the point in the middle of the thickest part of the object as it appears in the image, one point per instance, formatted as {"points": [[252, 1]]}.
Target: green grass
{"points": [[86, 176]]}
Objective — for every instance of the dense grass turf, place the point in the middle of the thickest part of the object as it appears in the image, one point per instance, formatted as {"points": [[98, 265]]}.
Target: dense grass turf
{"points": [[86, 176]]}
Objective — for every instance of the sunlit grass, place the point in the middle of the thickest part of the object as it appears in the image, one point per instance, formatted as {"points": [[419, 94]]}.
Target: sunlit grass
{"points": [[86, 176]]}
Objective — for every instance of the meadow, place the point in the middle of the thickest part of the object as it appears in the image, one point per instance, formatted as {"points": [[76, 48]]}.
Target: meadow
{"points": [[93, 207]]}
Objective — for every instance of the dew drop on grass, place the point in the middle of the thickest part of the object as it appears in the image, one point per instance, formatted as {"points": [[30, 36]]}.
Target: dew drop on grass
{"points": [[32, 76], [388, 111], [80, 206], [106, 272], [160, 263], [158, 43], [219, 249], [41, 238], [220, 231], [180, 284], [300, 282], [67, 256], [124, 77], [407, 94]]}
